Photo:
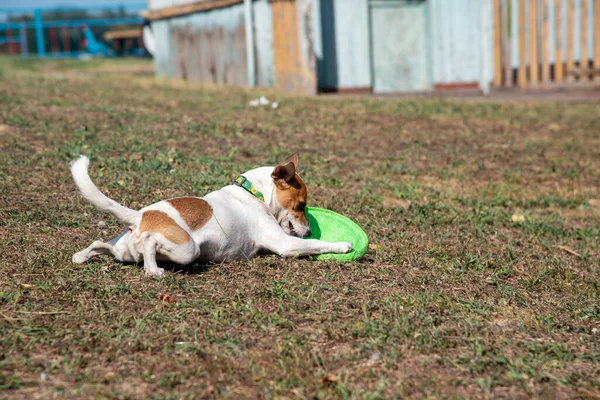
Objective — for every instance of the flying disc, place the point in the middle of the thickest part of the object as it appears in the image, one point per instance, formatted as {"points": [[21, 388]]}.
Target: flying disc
{"points": [[333, 227]]}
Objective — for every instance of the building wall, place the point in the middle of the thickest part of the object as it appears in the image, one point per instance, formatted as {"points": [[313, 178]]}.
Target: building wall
{"points": [[210, 46], [162, 56], [457, 39], [401, 56], [263, 43], [461, 41], [345, 58]]}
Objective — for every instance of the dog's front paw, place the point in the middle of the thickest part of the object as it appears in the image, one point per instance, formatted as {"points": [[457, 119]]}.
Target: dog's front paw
{"points": [[80, 258], [341, 247]]}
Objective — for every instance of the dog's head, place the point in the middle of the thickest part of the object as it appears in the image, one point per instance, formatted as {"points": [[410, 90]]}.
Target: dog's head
{"points": [[289, 202]]}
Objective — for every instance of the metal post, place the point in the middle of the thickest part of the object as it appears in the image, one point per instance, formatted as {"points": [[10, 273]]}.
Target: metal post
{"points": [[24, 44], [249, 22], [39, 33], [484, 34]]}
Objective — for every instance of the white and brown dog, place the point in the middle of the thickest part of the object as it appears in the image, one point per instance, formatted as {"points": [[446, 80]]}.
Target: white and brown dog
{"points": [[263, 211]]}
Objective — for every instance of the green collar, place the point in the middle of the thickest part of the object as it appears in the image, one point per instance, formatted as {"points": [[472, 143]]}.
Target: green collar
{"points": [[241, 181]]}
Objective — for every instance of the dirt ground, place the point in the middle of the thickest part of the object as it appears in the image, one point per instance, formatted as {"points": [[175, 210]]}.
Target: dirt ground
{"points": [[481, 280]]}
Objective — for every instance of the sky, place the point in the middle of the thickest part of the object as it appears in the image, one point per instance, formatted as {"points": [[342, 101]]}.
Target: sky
{"points": [[57, 3]]}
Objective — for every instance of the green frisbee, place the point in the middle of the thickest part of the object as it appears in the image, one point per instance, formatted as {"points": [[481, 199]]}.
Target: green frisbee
{"points": [[333, 227]]}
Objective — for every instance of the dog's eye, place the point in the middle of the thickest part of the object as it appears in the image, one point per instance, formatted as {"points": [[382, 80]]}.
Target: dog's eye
{"points": [[302, 206]]}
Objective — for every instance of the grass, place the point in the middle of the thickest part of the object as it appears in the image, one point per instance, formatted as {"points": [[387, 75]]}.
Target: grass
{"points": [[482, 279]]}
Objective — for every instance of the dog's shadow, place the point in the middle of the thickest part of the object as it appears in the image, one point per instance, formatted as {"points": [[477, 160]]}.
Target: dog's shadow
{"points": [[199, 268], [195, 268]]}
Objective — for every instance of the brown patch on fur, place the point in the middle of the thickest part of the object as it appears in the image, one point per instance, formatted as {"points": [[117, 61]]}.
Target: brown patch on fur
{"points": [[291, 195], [194, 211], [160, 222]]}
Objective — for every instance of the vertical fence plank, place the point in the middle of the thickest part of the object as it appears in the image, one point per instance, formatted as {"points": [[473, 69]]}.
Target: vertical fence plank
{"points": [[596, 71], [545, 43], [533, 58], [53, 40], [570, 40], [584, 60], [65, 39], [12, 49], [508, 76], [558, 61], [522, 77], [497, 44]]}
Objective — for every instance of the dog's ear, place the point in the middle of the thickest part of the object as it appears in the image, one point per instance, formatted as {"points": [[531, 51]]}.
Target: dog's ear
{"points": [[294, 159], [284, 172]]}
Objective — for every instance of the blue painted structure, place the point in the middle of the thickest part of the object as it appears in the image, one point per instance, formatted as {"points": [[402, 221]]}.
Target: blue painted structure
{"points": [[39, 25], [92, 45], [39, 33]]}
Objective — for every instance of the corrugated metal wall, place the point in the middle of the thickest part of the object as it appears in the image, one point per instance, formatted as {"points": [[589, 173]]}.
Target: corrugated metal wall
{"points": [[263, 43], [454, 40], [162, 56], [461, 40], [344, 61], [210, 46], [290, 35], [455, 29]]}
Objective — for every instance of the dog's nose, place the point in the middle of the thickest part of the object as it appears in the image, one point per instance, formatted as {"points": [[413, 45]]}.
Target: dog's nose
{"points": [[308, 233]]}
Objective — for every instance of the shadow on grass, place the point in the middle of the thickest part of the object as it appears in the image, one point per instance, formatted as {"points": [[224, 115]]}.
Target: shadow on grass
{"points": [[196, 268]]}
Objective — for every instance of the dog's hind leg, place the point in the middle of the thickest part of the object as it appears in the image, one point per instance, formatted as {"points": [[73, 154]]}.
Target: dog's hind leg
{"points": [[149, 253], [95, 249]]}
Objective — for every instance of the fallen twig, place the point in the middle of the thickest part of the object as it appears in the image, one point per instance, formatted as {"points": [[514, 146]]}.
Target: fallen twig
{"points": [[568, 250], [44, 312]]}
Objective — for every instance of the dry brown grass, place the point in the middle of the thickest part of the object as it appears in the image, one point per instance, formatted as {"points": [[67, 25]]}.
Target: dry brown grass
{"points": [[482, 279]]}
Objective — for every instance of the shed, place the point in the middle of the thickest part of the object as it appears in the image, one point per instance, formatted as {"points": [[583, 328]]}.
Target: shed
{"points": [[330, 45]]}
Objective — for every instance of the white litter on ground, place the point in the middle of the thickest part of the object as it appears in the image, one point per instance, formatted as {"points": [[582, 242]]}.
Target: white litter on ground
{"points": [[263, 101]]}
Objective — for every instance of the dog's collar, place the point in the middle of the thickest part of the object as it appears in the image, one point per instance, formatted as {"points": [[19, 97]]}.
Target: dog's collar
{"points": [[241, 181]]}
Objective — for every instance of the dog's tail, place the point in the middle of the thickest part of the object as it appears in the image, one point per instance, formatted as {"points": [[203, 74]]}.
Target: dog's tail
{"points": [[79, 170]]}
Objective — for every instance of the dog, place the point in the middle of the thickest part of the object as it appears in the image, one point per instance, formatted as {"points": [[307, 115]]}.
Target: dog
{"points": [[262, 211]]}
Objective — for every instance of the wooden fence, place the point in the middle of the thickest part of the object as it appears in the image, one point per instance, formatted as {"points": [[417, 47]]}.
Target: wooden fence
{"points": [[546, 43]]}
